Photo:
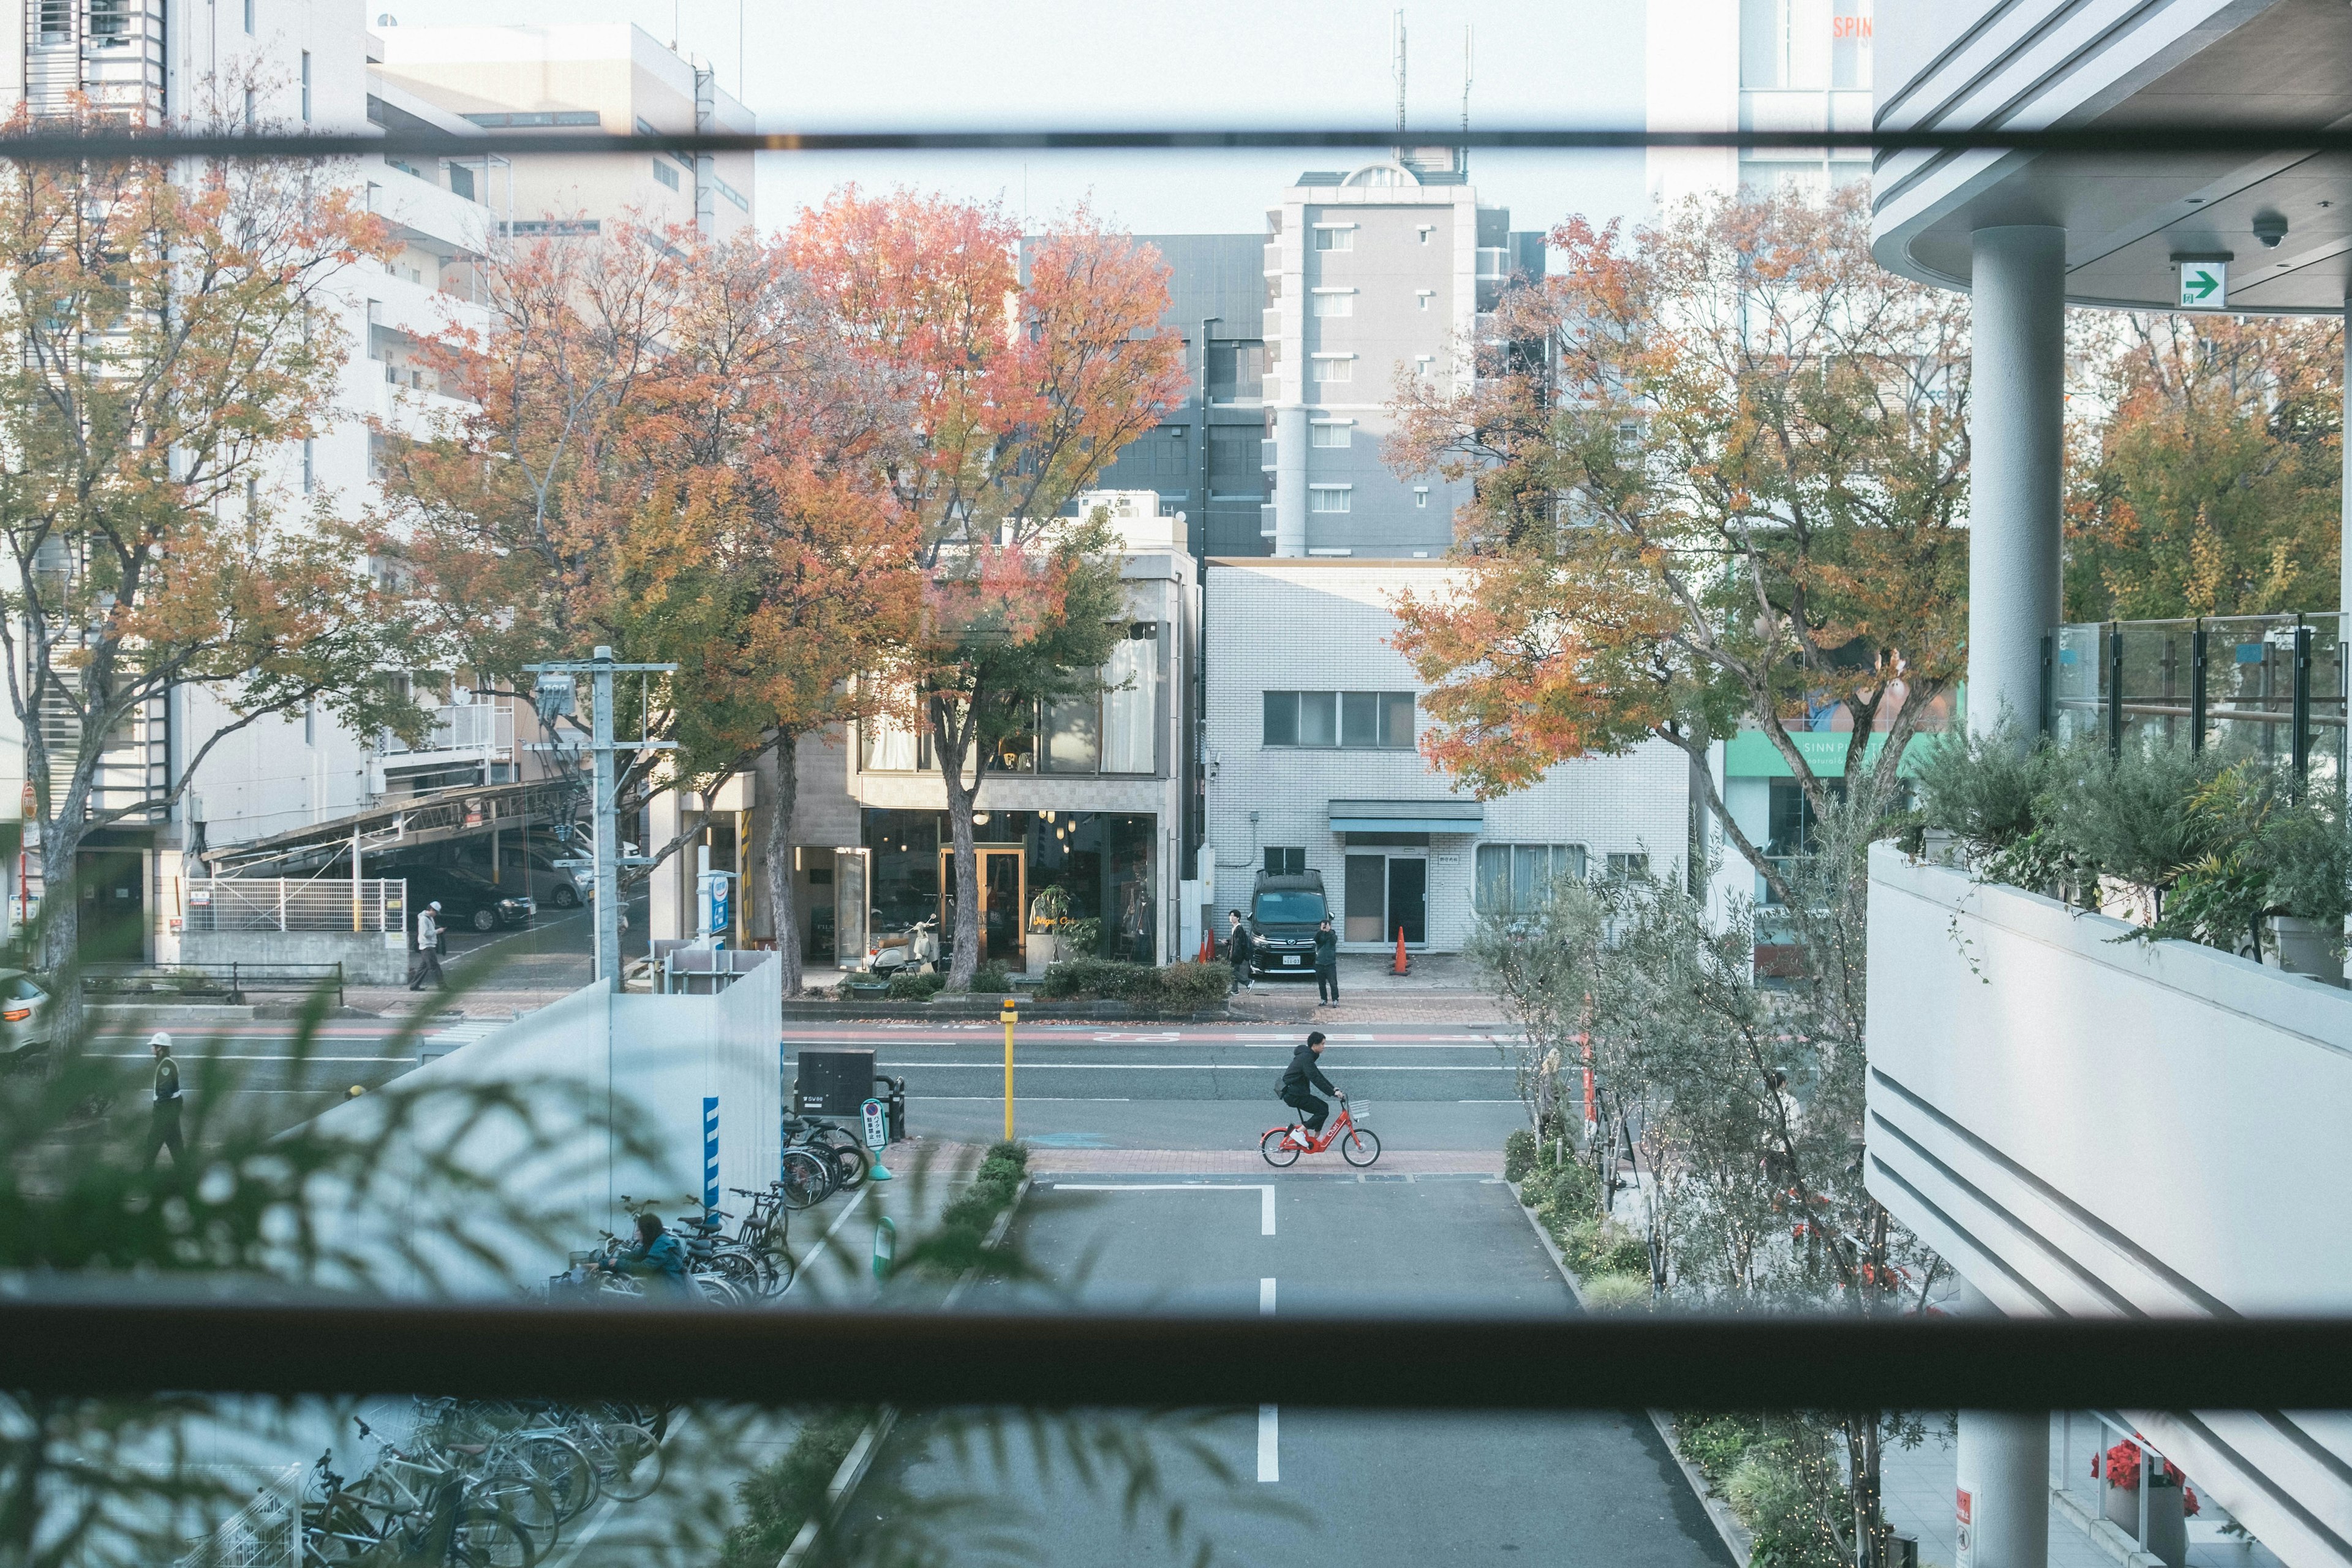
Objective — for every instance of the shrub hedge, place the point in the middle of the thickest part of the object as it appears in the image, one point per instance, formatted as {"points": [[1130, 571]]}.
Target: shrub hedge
{"points": [[781, 1496], [1176, 986]]}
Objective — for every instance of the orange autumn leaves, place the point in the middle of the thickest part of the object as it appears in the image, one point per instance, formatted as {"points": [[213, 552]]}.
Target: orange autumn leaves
{"points": [[1728, 489]]}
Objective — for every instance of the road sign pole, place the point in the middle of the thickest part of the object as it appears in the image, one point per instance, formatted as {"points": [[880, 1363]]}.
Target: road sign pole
{"points": [[1008, 1069], [608, 830]]}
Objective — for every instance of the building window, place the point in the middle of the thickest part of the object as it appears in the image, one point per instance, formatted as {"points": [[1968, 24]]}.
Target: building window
{"points": [[888, 746], [1334, 301], [1420, 497], [252, 499], [665, 173], [1518, 879], [310, 473], [1358, 720], [1329, 431], [1335, 367], [1425, 231], [306, 87], [1335, 237], [1285, 862], [311, 722], [1632, 864], [1331, 498], [1425, 366], [461, 180], [251, 116]]}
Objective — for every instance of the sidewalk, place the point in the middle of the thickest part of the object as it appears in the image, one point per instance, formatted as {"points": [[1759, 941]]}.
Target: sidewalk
{"points": [[1439, 988]]}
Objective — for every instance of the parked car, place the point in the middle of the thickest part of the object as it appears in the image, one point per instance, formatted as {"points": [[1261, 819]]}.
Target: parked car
{"points": [[532, 871], [1283, 913], [465, 897], [28, 1021]]}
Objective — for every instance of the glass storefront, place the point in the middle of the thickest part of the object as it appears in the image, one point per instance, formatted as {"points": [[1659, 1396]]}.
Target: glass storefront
{"points": [[1087, 879]]}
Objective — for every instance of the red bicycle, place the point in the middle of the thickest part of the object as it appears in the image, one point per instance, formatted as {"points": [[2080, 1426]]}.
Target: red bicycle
{"points": [[1359, 1146]]}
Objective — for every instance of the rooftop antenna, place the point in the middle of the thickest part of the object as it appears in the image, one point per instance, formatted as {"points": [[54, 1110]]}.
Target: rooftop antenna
{"points": [[1397, 69], [1469, 63]]}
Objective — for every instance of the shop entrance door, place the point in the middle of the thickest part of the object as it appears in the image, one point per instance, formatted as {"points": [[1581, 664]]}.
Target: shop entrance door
{"points": [[1003, 877], [1408, 901], [1386, 893]]}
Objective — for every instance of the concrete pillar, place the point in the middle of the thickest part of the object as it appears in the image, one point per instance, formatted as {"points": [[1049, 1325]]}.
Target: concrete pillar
{"points": [[2003, 1498], [2017, 408], [1290, 481], [2344, 543], [665, 912]]}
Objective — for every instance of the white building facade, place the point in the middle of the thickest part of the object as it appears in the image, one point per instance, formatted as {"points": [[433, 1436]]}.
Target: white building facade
{"points": [[1313, 728]]}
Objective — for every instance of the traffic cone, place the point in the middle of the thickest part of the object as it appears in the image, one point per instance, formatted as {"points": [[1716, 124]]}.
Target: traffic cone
{"points": [[1208, 953], [1403, 965]]}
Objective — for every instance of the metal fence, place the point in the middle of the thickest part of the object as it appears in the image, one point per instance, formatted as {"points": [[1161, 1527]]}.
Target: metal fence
{"points": [[297, 903], [2269, 686], [264, 1533]]}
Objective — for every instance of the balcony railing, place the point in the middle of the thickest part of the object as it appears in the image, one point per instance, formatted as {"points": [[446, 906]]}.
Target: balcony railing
{"points": [[1267, 453], [1266, 521], [462, 727], [2265, 684]]}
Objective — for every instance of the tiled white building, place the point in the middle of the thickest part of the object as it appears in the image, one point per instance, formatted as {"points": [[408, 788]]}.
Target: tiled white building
{"points": [[1312, 764]]}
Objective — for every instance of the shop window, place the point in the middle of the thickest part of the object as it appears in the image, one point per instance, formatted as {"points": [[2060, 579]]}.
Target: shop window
{"points": [[888, 746], [1131, 703], [1517, 878], [1073, 736]]}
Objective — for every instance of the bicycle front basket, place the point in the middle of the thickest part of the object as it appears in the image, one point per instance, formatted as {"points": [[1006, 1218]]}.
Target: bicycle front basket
{"points": [[1360, 1113]]}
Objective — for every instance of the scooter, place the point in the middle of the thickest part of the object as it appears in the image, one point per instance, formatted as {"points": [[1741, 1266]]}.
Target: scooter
{"points": [[914, 951]]}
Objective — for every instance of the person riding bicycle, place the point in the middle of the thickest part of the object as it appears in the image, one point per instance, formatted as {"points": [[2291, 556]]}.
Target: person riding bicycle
{"points": [[1297, 1080], [659, 1257]]}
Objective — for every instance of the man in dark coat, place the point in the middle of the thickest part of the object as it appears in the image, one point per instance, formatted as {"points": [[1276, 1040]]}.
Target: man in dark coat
{"points": [[1301, 1078], [1237, 948], [1327, 961]]}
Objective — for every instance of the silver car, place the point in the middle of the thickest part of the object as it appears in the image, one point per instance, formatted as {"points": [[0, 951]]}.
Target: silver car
{"points": [[28, 1021]]}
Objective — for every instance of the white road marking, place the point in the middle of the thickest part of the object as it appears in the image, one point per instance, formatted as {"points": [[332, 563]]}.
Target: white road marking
{"points": [[221, 1056], [1172, 1067], [1269, 1443], [1263, 1189], [1266, 1298]]}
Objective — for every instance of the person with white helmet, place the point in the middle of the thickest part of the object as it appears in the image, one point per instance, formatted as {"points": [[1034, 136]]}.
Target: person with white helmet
{"points": [[429, 948], [163, 1126]]}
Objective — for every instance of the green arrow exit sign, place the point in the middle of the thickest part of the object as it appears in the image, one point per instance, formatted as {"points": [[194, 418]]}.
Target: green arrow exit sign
{"points": [[2204, 284]]}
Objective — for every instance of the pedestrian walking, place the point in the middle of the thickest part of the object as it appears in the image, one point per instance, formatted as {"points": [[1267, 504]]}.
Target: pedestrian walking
{"points": [[429, 948], [1237, 950], [1327, 961], [163, 1125]]}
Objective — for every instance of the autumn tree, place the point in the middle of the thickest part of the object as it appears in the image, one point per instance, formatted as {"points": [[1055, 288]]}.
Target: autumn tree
{"points": [[1025, 382], [171, 331], [1719, 480], [2207, 476], [767, 560]]}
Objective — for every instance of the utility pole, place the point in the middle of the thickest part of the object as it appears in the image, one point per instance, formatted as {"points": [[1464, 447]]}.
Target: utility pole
{"points": [[556, 698]]}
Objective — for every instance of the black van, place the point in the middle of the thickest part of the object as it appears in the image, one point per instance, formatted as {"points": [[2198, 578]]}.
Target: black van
{"points": [[1285, 910]]}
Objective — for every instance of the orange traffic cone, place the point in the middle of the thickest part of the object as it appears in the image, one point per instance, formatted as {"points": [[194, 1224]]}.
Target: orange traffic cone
{"points": [[1403, 965], [1208, 953]]}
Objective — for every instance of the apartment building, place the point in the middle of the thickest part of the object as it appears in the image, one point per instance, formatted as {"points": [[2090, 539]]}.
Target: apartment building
{"points": [[1378, 280], [613, 78], [1312, 764], [1761, 65]]}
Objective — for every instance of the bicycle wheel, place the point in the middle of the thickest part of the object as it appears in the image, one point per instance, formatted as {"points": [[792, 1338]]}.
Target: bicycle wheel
{"points": [[629, 1462], [556, 1462], [526, 1500], [1278, 1149], [782, 1271], [739, 1269], [848, 1167], [1359, 1145], [491, 1538], [807, 1180]]}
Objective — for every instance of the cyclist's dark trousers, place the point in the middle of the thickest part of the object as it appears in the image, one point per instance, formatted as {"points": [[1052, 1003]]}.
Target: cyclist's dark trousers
{"points": [[1326, 981], [1310, 1109]]}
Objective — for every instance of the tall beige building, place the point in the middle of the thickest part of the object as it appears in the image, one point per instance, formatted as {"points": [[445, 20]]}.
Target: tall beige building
{"points": [[617, 78]]}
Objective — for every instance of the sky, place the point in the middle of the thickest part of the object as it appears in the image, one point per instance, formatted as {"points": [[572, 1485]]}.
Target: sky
{"points": [[924, 64]]}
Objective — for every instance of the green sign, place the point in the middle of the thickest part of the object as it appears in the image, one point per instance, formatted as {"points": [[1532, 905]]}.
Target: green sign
{"points": [[1751, 753], [2204, 284]]}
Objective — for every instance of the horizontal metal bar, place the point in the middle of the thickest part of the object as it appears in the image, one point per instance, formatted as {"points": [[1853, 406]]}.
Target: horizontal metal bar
{"points": [[2128, 140], [84, 1346]]}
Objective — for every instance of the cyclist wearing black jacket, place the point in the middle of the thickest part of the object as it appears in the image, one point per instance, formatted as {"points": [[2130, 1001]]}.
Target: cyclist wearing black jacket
{"points": [[1300, 1074]]}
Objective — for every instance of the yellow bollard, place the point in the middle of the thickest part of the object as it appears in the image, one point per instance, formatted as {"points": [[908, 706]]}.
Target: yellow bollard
{"points": [[1008, 1016]]}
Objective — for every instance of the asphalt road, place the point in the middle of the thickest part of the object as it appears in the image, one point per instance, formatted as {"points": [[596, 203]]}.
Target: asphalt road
{"points": [[1288, 1482], [1188, 1086]]}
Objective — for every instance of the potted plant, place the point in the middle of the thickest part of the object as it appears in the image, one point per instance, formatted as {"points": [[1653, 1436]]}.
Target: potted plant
{"points": [[1049, 911], [2170, 1501]]}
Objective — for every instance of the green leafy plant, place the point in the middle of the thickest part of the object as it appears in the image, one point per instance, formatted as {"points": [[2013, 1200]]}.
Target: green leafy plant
{"points": [[991, 977], [1520, 1158], [780, 1497], [1176, 986], [915, 987]]}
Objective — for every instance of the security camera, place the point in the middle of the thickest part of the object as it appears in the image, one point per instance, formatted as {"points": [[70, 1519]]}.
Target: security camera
{"points": [[2270, 228]]}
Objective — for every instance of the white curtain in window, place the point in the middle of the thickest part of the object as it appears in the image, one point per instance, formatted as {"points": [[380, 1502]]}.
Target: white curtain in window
{"points": [[1130, 704], [889, 747]]}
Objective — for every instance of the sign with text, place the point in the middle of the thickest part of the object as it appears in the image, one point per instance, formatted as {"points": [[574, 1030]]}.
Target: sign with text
{"points": [[2204, 284], [877, 1125]]}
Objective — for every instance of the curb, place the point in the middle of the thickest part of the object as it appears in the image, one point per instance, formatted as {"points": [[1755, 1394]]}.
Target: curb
{"points": [[801, 1010], [1736, 1539], [860, 1457]]}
